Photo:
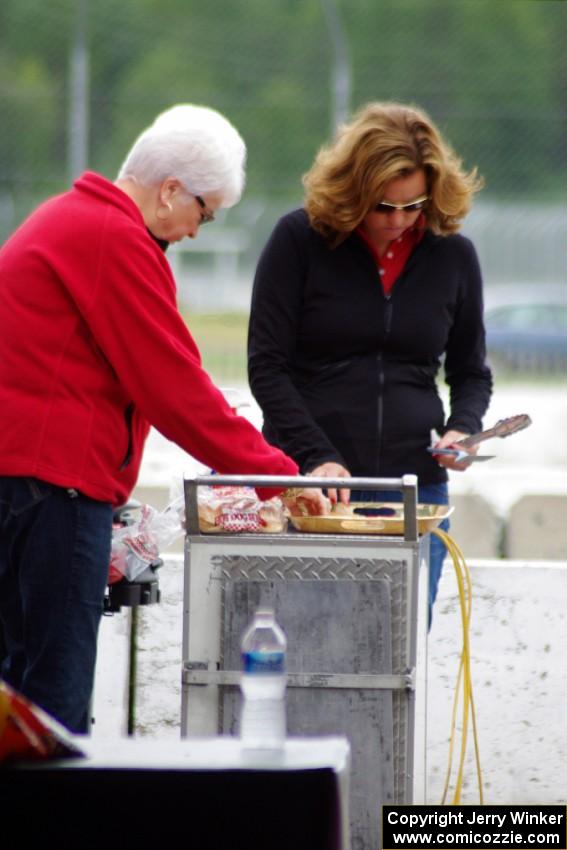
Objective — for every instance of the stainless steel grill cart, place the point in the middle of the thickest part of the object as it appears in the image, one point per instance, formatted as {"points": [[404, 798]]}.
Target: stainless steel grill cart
{"points": [[349, 606]]}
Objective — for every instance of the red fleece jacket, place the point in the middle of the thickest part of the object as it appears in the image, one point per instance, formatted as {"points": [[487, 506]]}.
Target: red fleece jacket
{"points": [[93, 350]]}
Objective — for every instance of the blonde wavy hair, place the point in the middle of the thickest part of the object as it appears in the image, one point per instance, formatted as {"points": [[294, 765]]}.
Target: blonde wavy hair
{"points": [[385, 141]]}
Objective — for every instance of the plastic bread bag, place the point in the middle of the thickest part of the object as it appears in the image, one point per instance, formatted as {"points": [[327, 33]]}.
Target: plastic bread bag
{"points": [[137, 545], [237, 510], [28, 732]]}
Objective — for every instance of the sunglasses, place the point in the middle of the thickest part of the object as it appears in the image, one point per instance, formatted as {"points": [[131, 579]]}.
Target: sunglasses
{"points": [[206, 215], [412, 206]]}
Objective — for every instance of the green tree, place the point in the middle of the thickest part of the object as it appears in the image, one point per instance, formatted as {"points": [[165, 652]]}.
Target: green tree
{"points": [[483, 70], [492, 74]]}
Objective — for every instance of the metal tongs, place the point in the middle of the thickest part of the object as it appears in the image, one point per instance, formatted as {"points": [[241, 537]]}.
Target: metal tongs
{"points": [[503, 428]]}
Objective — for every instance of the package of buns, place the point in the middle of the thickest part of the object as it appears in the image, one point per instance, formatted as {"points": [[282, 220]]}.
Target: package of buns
{"points": [[234, 510]]}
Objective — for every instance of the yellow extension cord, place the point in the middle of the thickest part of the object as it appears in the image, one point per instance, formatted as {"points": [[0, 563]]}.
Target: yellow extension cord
{"points": [[463, 679]]}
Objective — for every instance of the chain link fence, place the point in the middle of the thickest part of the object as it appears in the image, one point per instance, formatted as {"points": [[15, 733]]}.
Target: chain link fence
{"points": [[81, 78]]}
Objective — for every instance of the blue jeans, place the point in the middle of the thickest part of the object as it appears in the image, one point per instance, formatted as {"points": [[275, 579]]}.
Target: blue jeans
{"points": [[54, 559], [427, 494]]}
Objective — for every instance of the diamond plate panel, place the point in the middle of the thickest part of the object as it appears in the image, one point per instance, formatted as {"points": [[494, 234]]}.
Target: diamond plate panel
{"points": [[270, 568]]}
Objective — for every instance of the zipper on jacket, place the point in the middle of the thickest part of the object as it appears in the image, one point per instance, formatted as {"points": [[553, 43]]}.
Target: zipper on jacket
{"points": [[388, 315], [128, 415], [382, 377]]}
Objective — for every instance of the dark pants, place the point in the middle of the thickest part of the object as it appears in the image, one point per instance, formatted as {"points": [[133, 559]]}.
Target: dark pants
{"points": [[54, 558], [427, 494]]}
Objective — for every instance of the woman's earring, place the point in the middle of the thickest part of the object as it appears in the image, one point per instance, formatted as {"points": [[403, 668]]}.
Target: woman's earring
{"points": [[169, 208]]}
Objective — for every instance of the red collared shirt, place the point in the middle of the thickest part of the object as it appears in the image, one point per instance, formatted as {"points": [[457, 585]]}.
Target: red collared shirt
{"points": [[391, 264]]}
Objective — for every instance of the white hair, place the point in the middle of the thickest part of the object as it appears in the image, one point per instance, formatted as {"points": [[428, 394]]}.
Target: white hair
{"points": [[196, 145]]}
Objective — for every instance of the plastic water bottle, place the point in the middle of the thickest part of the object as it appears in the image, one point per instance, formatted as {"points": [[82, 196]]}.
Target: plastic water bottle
{"points": [[263, 683]]}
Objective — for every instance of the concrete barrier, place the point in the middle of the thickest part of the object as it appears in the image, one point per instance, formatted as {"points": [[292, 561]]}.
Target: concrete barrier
{"points": [[517, 638], [518, 634], [475, 526], [537, 528]]}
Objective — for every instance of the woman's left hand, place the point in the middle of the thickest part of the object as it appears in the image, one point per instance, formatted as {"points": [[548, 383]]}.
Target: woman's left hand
{"points": [[450, 440]]}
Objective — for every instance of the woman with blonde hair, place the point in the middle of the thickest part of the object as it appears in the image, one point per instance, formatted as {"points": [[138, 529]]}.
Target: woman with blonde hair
{"points": [[359, 297]]}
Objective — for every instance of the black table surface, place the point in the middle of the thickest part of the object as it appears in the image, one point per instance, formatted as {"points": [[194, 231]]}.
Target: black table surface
{"points": [[154, 798]]}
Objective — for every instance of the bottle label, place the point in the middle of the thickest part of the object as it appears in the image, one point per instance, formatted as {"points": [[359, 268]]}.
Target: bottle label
{"points": [[263, 662]]}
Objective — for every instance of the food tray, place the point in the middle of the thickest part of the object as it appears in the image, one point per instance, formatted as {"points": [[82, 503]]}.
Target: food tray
{"points": [[387, 518]]}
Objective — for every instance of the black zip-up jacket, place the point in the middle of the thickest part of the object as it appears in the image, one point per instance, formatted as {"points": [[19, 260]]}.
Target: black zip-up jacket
{"points": [[345, 373]]}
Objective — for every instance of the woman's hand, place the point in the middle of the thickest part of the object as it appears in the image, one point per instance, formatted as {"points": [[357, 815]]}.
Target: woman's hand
{"points": [[308, 500], [450, 440], [333, 470]]}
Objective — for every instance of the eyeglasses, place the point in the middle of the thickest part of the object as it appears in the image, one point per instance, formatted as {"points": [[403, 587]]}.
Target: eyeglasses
{"points": [[412, 206], [206, 215]]}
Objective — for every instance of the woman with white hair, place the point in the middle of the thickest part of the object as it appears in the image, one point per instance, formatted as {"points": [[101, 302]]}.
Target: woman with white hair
{"points": [[188, 164], [93, 351]]}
